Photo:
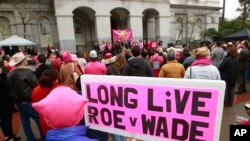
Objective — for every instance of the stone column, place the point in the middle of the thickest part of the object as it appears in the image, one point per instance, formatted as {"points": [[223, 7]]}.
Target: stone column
{"points": [[136, 26], [164, 23], [66, 33], [103, 27], [151, 28]]}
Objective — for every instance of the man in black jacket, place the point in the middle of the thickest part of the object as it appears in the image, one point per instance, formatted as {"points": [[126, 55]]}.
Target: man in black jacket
{"points": [[22, 80], [243, 59], [137, 66]]}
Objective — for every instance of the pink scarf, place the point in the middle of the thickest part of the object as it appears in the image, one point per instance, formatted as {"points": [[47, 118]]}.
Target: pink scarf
{"points": [[202, 61]]}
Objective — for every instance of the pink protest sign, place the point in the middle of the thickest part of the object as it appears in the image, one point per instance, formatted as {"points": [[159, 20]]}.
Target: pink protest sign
{"points": [[160, 112], [122, 35]]}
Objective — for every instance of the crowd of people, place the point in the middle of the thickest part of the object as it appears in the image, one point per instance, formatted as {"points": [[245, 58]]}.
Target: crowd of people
{"points": [[27, 79]]}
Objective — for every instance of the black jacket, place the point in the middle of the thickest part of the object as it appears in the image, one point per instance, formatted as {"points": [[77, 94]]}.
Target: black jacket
{"points": [[228, 70], [137, 66], [243, 59], [5, 100], [21, 82]]}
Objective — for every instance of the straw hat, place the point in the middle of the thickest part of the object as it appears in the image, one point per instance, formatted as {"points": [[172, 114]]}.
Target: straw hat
{"points": [[63, 107], [17, 58]]}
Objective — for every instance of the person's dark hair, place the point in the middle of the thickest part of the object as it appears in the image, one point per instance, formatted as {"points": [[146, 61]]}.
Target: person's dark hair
{"points": [[150, 52], [144, 52], [135, 51], [30, 62], [232, 51], [202, 44], [208, 44], [48, 77], [160, 42], [56, 52], [184, 45], [79, 55], [218, 44], [186, 51], [42, 58], [171, 45]]}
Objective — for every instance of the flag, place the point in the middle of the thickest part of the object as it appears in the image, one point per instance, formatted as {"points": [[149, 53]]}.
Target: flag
{"points": [[122, 35]]}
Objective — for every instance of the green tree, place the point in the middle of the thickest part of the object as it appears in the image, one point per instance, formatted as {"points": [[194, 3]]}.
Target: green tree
{"points": [[231, 26], [244, 6], [210, 33]]}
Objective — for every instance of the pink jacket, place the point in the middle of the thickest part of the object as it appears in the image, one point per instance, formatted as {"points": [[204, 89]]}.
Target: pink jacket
{"points": [[95, 68]]}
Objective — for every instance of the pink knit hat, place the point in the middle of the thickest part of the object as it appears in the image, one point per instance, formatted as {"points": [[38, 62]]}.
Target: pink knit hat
{"points": [[63, 107], [66, 56]]}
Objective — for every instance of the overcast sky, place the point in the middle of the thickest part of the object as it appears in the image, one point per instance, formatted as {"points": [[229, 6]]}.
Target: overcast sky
{"points": [[231, 6]]}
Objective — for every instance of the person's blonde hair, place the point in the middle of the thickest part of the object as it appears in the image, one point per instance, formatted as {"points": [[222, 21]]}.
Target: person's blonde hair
{"points": [[202, 52]]}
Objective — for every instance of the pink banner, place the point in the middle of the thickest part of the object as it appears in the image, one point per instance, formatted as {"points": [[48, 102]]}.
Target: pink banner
{"points": [[122, 35], [160, 111]]}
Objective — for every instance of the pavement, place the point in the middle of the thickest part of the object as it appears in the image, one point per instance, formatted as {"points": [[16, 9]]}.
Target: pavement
{"points": [[230, 115]]}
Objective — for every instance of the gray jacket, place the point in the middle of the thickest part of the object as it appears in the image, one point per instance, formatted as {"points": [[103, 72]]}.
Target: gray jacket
{"points": [[217, 55]]}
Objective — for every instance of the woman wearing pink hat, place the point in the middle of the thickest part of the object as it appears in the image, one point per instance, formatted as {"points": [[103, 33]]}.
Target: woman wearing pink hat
{"points": [[63, 117], [67, 69]]}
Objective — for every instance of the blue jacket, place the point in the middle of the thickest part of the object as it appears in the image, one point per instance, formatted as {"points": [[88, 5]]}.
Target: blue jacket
{"points": [[75, 133]]}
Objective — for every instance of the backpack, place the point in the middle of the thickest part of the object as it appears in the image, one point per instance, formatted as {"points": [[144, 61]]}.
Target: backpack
{"points": [[156, 65]]}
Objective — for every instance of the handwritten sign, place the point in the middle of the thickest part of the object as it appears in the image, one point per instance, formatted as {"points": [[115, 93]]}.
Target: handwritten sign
{"points": [[154, 108]]}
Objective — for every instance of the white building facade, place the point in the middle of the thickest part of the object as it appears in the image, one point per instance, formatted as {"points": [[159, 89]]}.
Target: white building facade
{"points": [[75, 25]]}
